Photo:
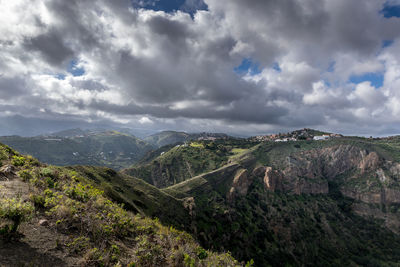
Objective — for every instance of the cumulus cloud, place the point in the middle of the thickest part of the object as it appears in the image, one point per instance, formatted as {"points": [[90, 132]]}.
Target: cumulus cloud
{"points": [[177, 69]]}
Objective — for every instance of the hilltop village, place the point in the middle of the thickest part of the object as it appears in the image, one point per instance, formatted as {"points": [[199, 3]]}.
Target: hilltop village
{"points": [[303, 134]]}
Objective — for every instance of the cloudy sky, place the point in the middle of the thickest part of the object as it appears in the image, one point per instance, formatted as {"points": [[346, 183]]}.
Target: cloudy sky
{"points": [[239, 66]]}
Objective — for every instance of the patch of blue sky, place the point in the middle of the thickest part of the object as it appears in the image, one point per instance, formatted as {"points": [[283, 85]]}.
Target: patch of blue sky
{"points": [[387, 43], [276, 67], [376, 79], [74, 69], [331, 67], [60, 76], [247, 66], [390, 9], [190, 6]]}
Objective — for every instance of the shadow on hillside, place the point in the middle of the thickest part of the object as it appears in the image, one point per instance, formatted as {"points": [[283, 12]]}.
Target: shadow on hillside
{"points": [[17, 253]]}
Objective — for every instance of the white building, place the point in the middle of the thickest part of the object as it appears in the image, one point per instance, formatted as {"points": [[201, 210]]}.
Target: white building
{"points": [[321, 137]]}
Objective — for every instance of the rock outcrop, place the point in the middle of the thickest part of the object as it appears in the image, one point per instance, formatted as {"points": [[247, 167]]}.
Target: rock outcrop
{"points": [[240, 184], [272, 179], [366, 176]]}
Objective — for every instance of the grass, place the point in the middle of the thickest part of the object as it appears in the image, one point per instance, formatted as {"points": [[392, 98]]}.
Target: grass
{"points": [[196, 145], [239, 150]]}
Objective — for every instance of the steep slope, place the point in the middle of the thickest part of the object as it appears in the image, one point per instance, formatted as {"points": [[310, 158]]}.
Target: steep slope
{"points": [[111, 149], [307, 203], [56, 216]]}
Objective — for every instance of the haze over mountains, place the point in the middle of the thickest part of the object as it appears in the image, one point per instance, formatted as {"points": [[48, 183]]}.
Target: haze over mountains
{"points": [[97, 147]]}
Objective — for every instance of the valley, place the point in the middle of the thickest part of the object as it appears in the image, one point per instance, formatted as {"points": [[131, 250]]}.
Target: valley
{"points": [[302, 203]]}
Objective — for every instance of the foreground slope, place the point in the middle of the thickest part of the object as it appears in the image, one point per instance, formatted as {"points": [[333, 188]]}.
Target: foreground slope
{"points": [[56, 216], [109, 148], [313, 203]]}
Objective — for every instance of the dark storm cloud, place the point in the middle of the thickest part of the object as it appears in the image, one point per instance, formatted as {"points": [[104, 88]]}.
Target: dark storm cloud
{"points": [[173, 29], [51, 46], [239, 111], [12, 87]]}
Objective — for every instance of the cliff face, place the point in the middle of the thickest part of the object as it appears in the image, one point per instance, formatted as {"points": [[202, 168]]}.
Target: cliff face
{"points": [[295, 196], [363, 175]]}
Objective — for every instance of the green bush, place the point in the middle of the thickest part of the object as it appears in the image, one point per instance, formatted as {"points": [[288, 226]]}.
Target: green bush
{"points": [[18, 161], [31, 161], [25, 175], [38, 200], [13, 212], [202, 253]]}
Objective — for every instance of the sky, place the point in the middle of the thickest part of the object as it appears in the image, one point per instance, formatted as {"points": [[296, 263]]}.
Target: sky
{"points": [[241, 67]]}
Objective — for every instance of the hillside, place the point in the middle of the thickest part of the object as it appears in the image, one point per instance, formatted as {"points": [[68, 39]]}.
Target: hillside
{"points": [[173, 164], [57, 216], [112, 149], [171, 137], [301, 203], [313, 203]]}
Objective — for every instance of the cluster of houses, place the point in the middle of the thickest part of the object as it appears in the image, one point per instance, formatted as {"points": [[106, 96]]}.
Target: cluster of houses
{"points": [[303, 134]]}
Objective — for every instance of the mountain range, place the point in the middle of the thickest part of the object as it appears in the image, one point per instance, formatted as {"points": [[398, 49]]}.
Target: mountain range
{"points": [[100, 147], [283, 199]]}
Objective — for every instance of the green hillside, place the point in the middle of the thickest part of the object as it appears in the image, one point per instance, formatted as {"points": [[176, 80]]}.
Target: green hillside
{"points": [[56, 216], [184, 161], [299, 203], [112, 149], [302, 203], [166, 138], [171, 137]]}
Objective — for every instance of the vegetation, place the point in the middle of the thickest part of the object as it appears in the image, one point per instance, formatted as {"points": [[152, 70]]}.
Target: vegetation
{"points": [[107, 214], [12, 213], [276, 227], [171, 137], [186, 161], [100, 232]]}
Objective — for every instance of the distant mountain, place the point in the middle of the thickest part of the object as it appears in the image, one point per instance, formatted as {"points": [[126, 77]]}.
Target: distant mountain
{"points": [[171, 137], [70, 133], [109, 148]]}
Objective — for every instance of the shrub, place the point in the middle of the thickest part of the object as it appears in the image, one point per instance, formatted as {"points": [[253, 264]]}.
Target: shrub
{"points": [[38, 200], [25, 175], [31, 161], [79, 244], [189, 261], [201, 253], [82, 192], [18, 161], [13, 211]]}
